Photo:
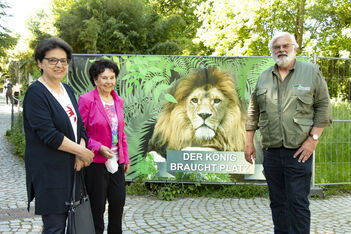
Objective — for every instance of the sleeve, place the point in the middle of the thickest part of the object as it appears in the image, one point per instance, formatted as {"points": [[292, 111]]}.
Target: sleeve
{"points": [[124, 138], [322, 106], [125, 147], [38, 114], [84, 106], [252, 113]]}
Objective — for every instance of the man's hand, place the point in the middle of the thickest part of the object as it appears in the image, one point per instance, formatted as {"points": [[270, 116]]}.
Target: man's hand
{"points": [[306, 149], [250, 151], [106, 152]]}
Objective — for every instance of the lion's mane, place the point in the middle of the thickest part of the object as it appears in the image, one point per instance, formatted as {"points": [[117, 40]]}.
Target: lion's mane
{"points": [[174, 131]]}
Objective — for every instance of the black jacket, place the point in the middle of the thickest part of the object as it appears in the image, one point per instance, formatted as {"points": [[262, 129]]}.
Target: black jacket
{"points": [[49, 171]]}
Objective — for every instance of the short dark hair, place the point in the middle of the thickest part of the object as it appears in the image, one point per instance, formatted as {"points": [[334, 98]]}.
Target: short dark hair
{"points": [[49, 44], [99, 67]]}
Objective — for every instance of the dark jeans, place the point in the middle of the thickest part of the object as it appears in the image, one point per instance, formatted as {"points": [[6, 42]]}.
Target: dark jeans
{"points": [[54, 223], [8, 97], [102, 185], [289, 186]]}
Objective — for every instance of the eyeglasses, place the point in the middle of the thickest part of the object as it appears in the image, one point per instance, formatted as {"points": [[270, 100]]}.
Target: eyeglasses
{"points": [[285, 46], [54, 61]]}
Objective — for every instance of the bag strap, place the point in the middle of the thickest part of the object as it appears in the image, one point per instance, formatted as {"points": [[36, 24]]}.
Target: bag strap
{"points": [[83, 188], [73, 194]]}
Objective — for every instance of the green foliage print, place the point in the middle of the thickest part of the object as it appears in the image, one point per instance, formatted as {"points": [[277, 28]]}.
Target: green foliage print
{"points": [[144, 82]]}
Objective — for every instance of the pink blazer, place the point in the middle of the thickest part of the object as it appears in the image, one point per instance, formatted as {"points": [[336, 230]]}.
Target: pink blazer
{"points": [[97, 125]]}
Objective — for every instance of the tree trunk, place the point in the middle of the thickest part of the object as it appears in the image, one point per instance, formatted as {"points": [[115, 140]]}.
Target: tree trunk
{"points": [[299, 22]]}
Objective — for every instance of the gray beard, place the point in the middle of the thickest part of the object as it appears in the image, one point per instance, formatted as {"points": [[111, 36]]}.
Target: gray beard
{"points": [[284, 62]]}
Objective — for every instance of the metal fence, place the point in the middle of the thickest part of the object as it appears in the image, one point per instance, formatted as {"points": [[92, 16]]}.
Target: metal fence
{"points": [[333, 153], [16, 110]]}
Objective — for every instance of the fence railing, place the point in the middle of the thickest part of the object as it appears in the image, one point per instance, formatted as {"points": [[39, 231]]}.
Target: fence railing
{"points": [[16, 109], [333, 153]]}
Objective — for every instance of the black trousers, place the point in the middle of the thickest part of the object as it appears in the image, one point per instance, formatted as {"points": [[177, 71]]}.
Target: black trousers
{"points": [[8, 97], [54, 223], [102, 186], [289, 186]]}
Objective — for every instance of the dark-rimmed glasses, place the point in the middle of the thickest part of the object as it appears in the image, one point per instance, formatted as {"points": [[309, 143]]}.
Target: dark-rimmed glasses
{"points": [[54, 61], [285, 46]]}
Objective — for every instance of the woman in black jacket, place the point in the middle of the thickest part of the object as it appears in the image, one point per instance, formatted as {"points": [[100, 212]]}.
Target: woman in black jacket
{"points": [[55, 136]]}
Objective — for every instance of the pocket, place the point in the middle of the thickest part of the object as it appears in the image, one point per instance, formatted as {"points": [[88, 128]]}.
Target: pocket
{"points": [[264, 130], [302, 129], [261, 99], [304, 105]]}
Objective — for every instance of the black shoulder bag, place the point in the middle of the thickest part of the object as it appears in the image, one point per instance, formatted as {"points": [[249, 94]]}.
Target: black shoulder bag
{"points": [[80, 219]]}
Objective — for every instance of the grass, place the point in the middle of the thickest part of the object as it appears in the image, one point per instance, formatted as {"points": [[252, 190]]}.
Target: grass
{"points": [[333, 153]]}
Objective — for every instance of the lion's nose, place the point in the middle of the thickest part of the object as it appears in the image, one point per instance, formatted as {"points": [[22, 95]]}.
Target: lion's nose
{"points": [[204, 115]]}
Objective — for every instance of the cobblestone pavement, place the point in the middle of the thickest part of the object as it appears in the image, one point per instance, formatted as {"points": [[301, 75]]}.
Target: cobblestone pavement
{"points": [[151, 215]]}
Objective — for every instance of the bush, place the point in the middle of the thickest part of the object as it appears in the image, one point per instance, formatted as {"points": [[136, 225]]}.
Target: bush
{"points": [[16, 137], [170, 191]]}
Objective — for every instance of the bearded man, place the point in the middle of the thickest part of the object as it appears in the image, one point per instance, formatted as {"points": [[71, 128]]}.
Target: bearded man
{"points": [[290, 106]]}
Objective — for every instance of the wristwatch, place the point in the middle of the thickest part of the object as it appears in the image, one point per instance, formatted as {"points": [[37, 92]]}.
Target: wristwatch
{"points": [[314, 136]]}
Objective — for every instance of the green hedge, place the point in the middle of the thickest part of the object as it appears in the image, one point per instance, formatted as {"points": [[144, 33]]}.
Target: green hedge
{"points": [[16, 137]]}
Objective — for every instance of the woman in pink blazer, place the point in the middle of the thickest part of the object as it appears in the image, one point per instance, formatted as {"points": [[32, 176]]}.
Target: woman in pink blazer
{"points": [[102, 114]]}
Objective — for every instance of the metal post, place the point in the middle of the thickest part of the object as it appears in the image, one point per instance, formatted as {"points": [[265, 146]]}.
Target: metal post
{"points": [[12, 112], [315, 58], [313, 169], [315, 190]]}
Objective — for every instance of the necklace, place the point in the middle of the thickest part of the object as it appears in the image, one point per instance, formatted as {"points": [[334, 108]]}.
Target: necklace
{"points": [[59, 92], [108, 99]]}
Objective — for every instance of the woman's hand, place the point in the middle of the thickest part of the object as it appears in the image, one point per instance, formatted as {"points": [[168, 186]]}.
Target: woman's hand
{"points": [[126, 168], [106, 152], [85, 156], [79, 164], [82, 153]]}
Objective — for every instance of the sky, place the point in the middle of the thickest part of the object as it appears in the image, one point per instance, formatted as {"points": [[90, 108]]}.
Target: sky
{"points": [[21, 11]]}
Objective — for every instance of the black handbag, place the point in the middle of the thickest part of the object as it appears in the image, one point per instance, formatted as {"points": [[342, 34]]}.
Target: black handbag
{"points": [[80, 218]]}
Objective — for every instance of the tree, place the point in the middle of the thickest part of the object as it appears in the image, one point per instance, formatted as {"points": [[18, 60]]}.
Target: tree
{"points": [[232, 27], [40, 27], [6, 40], [185, 9], [126, 26]]}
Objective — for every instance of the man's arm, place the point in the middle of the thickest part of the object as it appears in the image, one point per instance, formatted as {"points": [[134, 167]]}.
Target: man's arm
{"points": [[250, 151], [251, 126], [322, 118], [308, 146]]}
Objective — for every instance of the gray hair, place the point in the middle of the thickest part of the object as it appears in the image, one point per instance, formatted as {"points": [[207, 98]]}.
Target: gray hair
{"points": [[281, 34]]}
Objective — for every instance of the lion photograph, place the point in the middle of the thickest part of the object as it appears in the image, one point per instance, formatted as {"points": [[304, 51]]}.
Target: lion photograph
{"points": [[208, 115]]}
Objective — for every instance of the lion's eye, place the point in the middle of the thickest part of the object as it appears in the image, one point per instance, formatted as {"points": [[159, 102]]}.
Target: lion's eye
{"points": [[217, 100], [194, 100]]}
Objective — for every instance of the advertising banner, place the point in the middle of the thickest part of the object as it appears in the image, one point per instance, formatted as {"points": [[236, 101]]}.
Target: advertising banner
{"points": [[185, 115]]}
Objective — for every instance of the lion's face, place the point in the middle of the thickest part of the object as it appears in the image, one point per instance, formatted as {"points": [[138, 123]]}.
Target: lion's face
{"points": [[207, 114], [205, 110]]}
